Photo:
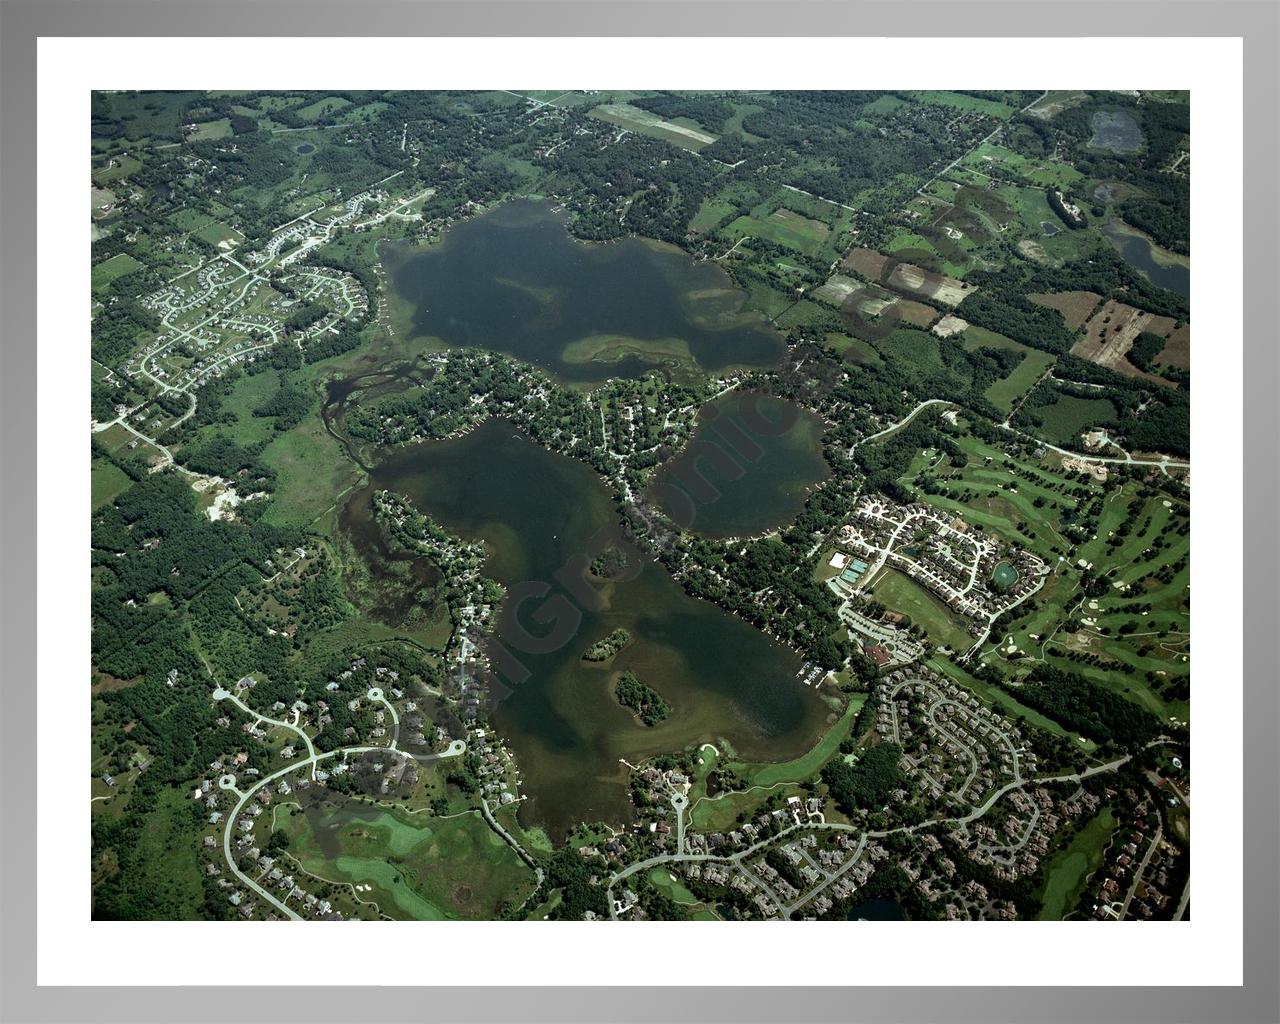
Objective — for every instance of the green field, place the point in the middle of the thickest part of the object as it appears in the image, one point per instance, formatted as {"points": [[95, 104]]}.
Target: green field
{"points": [[992, 108], [108, 270], [206, 130], [107, 482], [673, 887], [420, 868], [900, 593], [117, 167], [1004, 393], [313, 473], [1068, 417], [326, 107], [710, 214], [1067, 873], [786, 227]]}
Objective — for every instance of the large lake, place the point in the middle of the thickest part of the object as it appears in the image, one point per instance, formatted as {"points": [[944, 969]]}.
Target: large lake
{"points": [[723, 678], [749, 467], [514, 280]]}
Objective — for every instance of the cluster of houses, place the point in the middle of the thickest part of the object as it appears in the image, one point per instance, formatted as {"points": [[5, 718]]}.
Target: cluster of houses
{"points": [[1016, 847], [959, 747], [938, 551], [1141, 875]]}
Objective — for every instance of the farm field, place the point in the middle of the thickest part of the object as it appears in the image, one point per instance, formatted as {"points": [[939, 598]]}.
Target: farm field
{"points": [[1075, 307], [905, 277], [1035, 362], [784, 227]]}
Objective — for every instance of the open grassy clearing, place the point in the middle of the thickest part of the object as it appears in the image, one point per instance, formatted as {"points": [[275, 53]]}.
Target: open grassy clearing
{"points": [[115, 168], [998, 162], [1069, 871], [313, 473], [939, 97], [899, 593], [1069, 416], [326, 107], [107, 482], [420, 867], [786, 227], [1004, 393], [644, 123], [110, 269], [207, 130]]}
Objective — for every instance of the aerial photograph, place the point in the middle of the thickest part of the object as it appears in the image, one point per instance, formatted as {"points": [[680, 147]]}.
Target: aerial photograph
{"points": [[640, 505]]}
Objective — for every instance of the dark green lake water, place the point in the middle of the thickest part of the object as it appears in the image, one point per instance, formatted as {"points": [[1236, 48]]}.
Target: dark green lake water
{"points": [[749, 467], [515, 281], [723, 679], [1139, 253]]}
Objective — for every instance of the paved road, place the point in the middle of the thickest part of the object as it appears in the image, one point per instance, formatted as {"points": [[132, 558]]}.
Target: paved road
{"points": [[309, 762], [1137, 875], [901, 423]]}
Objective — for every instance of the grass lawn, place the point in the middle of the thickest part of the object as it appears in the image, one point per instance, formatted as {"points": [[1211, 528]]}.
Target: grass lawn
{"points": [[665, 881], [1069, 871], [900, 593]]}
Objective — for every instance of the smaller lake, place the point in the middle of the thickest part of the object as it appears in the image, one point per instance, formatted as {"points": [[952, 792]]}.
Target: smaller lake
{"points": [[750, 466], [1004, 577], [305, 148], [1158, 265]]}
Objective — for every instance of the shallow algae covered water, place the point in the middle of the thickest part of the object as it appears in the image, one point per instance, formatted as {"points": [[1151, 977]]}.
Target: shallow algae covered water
{"points": [[514, 280], [536, 511], [750, 466]]}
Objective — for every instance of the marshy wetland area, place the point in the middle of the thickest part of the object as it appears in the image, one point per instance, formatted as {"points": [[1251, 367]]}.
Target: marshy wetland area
{"points": [[641, 505]]}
